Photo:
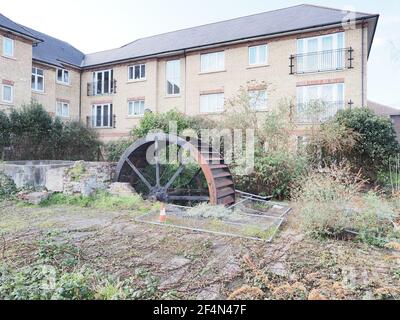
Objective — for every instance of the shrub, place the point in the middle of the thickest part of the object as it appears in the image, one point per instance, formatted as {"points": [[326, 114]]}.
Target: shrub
{"points": [[7, 187], [330, 204], [115, 149], [330, 143], [273, 175], [376, 141], [159, 122], [77, 142], [4, 132], [33, 134]]}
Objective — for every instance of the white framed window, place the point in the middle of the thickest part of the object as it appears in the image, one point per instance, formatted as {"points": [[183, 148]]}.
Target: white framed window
{"points": [[322, 53], [211, 62], [62, 109], [212, 103], [173, 75], [258, 99], [136, 108], [37, 79], [7, 93], [258, 55], [8, 47], [137, 72], [102, 116], [103, 82], [63, 76], [325, 100]]}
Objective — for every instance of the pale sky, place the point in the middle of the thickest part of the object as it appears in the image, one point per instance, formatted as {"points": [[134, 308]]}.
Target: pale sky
{"points": [[96, 25]]}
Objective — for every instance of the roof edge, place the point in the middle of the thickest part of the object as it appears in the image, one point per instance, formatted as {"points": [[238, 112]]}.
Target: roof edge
{"points": [[292, 31]]}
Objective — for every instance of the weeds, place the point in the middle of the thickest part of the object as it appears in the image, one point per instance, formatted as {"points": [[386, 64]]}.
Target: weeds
{"points": [[101, 200], [7, 187], [55, 274], [331, 204]]}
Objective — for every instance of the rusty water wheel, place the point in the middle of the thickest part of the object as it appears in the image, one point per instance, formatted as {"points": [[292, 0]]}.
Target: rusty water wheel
{"points": [[219, 187]]}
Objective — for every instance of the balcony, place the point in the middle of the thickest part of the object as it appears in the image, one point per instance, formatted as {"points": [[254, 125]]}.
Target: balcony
{"points": [[322, 61], [317, 111], [98, 122], [101, 88]]}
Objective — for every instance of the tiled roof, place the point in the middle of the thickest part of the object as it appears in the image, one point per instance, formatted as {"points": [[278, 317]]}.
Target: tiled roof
{"points": [[15, 27], [289, 19], [292, 19], [55, 51]]}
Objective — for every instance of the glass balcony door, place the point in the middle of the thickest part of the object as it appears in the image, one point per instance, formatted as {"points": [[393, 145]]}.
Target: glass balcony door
{"points": [[103, 82], [323, 53], [102, 116]]}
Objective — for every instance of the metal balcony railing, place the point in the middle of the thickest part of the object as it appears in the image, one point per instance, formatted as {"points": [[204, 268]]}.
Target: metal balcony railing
{"points": [[105, 122], [322, 61], [101, 88], [317, 111]]}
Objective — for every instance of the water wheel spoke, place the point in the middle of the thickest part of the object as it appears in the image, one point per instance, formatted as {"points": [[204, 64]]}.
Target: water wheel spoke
{"points": [[174, 177], [141, 177], [157, 160]]}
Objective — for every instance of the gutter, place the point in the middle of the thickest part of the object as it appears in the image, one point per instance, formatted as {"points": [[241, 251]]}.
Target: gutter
{"points": [[219, 44], [23, 35]]}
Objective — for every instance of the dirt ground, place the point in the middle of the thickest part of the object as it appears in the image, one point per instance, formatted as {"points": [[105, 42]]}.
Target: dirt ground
{"points": [[203, 266]]}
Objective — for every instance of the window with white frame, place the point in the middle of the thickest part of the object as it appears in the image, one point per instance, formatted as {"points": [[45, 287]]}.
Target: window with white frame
{"points": [[173, 75], [212, 61], [258, 99], [103, 82], [212, 103], [136, 108], [37, 79], [8, 47], [62, 109], [102, 116], [63, 76], [322, 53], [258, 55], [7, 94], [137, 72], [321, 100]]}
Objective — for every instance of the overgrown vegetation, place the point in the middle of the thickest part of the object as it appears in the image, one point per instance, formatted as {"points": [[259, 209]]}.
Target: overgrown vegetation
{"points": [[30, 133], [56, 273], [375, 140], [100, 200], [7, 187], [331, 204]]}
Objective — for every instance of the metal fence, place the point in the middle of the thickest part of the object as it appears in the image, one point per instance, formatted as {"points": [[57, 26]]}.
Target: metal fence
{"points": [[321, 61], [99, 88]]}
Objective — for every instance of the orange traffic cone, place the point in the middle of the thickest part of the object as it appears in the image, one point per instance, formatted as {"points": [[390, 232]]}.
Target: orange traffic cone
{"points": [[163, 213]]}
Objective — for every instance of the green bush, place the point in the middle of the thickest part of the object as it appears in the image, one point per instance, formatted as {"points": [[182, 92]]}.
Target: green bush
{"points": [[115, 149], [159, 122], [4, 132], [7, 187], [33, 134], [376, 140], [273, 175], [77, 142]]}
